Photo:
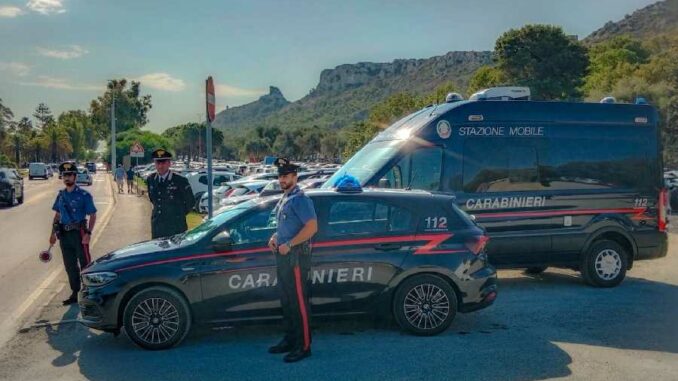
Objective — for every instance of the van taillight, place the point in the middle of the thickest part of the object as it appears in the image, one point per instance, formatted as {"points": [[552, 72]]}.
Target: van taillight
{"points": [[477, 243], [661, 213]]}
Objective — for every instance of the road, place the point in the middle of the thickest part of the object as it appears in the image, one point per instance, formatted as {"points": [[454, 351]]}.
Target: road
{"points": [[24, 232], [541, 327]]}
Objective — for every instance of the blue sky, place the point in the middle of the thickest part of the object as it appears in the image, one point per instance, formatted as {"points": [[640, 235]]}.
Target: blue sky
{"points": [[61, 52]]}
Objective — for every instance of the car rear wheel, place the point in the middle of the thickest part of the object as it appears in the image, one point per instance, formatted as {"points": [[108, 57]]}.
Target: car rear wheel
{"points": [[425, 305], [157, 318], [604, 264]]}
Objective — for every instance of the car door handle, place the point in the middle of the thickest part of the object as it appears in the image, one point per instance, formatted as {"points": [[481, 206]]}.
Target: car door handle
{"points": [[388, 246]]}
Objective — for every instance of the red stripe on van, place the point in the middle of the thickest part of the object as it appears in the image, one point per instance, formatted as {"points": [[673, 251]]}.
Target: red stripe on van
{"points": [[636, 211]]}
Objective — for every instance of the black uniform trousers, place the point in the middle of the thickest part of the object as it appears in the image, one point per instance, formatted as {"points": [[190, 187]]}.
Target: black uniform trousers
{"points": [[75, 254], [293, 278]]}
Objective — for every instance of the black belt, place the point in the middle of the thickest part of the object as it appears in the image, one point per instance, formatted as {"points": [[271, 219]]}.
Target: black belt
{"points": [[73, 226]]}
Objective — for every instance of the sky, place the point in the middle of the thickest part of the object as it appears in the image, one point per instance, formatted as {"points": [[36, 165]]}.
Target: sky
{"points": [[62, 52]]}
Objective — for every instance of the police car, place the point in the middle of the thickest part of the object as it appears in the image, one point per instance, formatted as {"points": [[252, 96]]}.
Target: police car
{"points": [[413, 255]]}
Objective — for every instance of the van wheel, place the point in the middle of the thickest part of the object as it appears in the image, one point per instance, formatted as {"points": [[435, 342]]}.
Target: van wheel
{"points": [[425, 305], [30, 177], [157, 318], [604, 264], [535, 270]]}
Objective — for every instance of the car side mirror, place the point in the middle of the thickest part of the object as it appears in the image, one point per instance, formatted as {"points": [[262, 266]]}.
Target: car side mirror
{"points": [[222, 240]]}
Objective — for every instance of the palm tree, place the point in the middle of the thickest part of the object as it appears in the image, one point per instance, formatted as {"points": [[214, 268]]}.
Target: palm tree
{"points": [[57, 140]]}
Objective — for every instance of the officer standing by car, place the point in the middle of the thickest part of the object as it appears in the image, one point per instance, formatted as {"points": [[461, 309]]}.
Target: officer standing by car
{"points": [[72, 207], [171, 196], [296, 225]]}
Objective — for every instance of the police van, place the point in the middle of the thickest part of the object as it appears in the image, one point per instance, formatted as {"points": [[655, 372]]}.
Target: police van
{"points": [[565, 184]]}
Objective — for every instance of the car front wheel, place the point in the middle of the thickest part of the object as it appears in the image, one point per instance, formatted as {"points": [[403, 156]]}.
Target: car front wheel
{"points": [[157, 318], [425, 305], [604, 264]]}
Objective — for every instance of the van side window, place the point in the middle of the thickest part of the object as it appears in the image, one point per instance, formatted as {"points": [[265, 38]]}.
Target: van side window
{"points": [[420, 169]]}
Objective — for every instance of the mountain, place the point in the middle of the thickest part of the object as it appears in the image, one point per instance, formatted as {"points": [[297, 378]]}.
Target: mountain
{"points": [[251, 114], [346, 93], [655, 19]]}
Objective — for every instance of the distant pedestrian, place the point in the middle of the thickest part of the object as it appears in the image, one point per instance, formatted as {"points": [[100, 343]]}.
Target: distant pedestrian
{"points": [[119, 176], [130, 180], [171, 196], [72, 207]]}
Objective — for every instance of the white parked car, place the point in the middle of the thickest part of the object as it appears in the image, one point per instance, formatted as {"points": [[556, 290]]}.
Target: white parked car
{"points": [[83, 176]]}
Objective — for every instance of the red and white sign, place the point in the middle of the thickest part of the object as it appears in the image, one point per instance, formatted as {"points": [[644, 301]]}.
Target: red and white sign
{"points": [[136, 150], [211, 99]]}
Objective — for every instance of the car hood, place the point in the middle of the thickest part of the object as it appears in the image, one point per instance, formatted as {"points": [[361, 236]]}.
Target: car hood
{"points": [[134, 253]]}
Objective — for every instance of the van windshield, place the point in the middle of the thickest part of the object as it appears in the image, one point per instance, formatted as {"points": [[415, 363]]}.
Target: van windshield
{"points": [[368, 161]]}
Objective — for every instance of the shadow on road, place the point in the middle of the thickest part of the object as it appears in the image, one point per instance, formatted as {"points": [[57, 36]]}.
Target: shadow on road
{"points": [[515, 339]]}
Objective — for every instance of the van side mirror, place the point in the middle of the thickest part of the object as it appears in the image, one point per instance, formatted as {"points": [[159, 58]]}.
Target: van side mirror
{"points": [[222, 241]]}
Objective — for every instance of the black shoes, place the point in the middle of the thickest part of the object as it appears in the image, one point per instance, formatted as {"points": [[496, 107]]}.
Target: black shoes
{"points": [[281, 347], [71, 300], [297, 355]]}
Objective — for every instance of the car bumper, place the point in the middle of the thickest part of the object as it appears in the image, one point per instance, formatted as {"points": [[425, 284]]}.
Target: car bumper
{"points": [[659, 248], [5, 194], [483, 290], [99, 308]]}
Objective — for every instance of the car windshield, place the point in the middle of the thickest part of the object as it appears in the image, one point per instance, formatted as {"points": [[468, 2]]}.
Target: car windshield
{"points": [[200, 231], [368, 161]]}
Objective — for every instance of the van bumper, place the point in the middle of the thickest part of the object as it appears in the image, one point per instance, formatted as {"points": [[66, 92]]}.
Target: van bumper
{"points": [[661, 248]]}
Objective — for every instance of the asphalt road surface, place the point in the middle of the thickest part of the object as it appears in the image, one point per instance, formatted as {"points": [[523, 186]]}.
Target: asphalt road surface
{"points": [[24, 232], [541, 327]]}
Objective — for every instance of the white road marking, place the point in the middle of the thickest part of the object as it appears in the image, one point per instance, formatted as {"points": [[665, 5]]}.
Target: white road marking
{"points": [[9, 326]]}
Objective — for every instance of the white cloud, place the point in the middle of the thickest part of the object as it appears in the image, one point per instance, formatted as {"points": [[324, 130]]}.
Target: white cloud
{"points": [[73, 51], [10, 11], [61, 83], [225, 90], [46, 7], [15, 68], [161, 81]]}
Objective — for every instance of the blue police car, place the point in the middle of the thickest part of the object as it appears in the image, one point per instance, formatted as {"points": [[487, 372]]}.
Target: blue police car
{"points": [[413, 255]]}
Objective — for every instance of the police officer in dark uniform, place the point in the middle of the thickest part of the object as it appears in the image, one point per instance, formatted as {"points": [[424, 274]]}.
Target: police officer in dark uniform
{"points": [[171, 196], [296, 224], [72, 207]]}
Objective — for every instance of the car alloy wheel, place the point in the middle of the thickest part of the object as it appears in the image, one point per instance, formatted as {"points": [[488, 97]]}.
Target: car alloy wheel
{"points": [[157, 318], [425, 304]]}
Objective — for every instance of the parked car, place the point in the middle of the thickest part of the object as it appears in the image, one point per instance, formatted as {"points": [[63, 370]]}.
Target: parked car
{"points": [[376, 253], [91, 167], [38, 170], [83, 176], [198, 181], [11, 187]]}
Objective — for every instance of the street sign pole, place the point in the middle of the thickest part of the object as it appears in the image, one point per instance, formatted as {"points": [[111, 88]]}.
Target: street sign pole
{"points": [[210, 108], [113, 158]]}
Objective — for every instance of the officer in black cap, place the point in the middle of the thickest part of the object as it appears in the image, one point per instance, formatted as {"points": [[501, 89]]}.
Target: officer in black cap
{"points": [[72, 207], [296, 225], [171, 196]]}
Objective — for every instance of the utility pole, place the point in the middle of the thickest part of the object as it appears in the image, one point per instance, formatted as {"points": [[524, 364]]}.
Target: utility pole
{"points": [[113, 158]]}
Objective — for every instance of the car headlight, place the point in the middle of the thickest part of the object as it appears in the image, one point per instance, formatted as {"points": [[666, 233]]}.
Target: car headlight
{"points": [[98, 279]]}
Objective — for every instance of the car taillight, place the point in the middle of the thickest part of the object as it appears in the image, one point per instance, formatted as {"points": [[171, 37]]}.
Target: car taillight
{"points": [[661, 213], [477, 243]]}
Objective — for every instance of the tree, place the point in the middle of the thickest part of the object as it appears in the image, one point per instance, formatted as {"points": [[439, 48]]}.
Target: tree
{"points": [[44, 115], [543, 58], [131, 108], [484, 77], [149, 140], [611, 61], [57, 140], [6, 116]]}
